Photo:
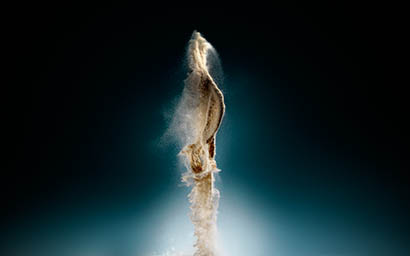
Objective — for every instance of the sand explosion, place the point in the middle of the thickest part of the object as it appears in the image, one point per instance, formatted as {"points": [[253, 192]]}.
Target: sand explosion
{"points": [[198, 117]]}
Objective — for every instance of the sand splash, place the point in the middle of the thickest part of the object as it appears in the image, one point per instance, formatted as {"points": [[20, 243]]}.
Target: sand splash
{"points": [[196, 122]]}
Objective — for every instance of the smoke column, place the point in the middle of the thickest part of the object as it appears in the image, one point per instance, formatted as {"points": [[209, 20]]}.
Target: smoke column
{"points": [[196, 122]]}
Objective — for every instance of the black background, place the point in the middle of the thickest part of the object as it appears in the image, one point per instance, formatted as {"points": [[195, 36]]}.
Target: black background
{"points": [[87, 75]]}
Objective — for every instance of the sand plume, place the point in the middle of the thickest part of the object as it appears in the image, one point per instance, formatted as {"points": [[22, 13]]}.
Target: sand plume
{"points": [[197, 119]]}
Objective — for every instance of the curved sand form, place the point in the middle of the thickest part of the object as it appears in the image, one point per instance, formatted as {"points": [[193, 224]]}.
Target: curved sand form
{"points": [[206, 113]]}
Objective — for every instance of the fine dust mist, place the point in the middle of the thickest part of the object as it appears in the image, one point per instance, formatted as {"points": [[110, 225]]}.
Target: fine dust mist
{"points": [[195, 123]]}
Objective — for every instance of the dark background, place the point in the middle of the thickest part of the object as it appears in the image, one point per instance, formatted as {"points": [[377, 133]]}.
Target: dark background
{"points": [[316, 124]]}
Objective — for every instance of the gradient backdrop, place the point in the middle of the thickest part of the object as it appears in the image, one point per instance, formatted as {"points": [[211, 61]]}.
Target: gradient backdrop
{"points": [[313, 148]]}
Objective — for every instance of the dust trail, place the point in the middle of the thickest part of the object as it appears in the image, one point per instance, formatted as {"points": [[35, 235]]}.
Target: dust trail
{"points": [[196, 122]]}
